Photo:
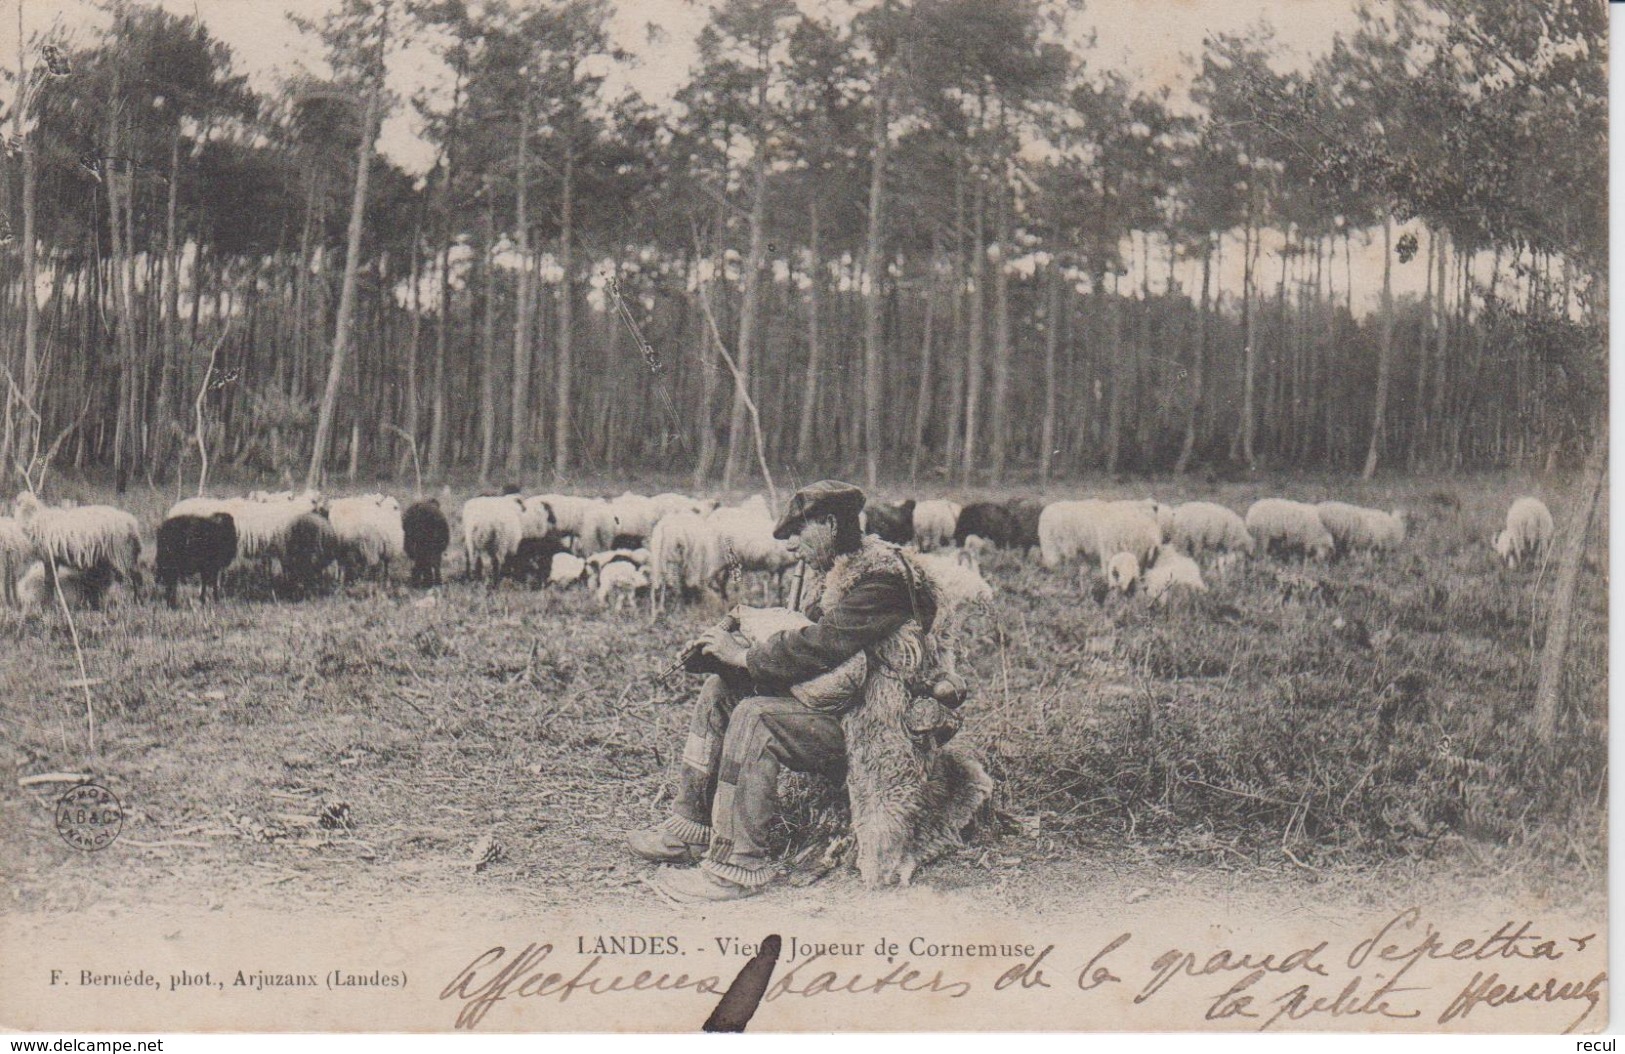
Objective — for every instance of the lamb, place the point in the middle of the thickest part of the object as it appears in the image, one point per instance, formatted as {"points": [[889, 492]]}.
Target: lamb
{"points": [[619, 582], [309, 545], [15, 552], [986, 519], [745, 542], [84, 538], [81, 589], [1122, 572], [195, 545], [1353, 527], [1201, 526], [934, 523], [890, 522], [636, 557], [568, 569], [1289, 527], [1169, 570], [426, 534], [369, 531], [493, 527], [1528, 535], [683, 556]]}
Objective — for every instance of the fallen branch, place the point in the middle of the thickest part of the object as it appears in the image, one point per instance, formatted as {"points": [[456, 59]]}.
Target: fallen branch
{"points": [[55, 777]]}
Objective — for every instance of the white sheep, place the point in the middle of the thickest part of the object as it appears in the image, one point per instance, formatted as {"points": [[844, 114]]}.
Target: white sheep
{"points": [[567, 570], [958, 576], [1354, 527], [1066, 530], [1528, 534], [934, 523], [1158, 511], [683, 556], [1170, 569], [15, 552], [618, 584], [84, 538], [369, 529], [1202, 526], [1122, 572], [1096, 531], [636, 557], [668, 503], [635, 516], [587, 522], [1282, 526], [745, 542], [492, 529]]}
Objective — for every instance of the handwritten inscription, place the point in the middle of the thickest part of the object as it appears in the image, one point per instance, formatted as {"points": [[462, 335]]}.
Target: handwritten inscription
{"points": [[1403, 972]]}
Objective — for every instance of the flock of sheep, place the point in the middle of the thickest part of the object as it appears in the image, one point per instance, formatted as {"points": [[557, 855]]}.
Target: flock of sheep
{"points": [[670, 546]]}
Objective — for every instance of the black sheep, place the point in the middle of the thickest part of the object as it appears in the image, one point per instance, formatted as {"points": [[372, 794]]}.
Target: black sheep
{"points": [[532, 562], [195, 545], [427, 536], [891, 523], [311, 546], [1026, 512], [988, 520]]}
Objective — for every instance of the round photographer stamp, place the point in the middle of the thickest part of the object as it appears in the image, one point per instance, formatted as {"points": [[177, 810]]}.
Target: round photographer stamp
{"points": [[89, 817]]}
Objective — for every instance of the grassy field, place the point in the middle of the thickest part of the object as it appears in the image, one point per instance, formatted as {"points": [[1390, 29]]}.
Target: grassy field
{"points": [[1362, 718]]}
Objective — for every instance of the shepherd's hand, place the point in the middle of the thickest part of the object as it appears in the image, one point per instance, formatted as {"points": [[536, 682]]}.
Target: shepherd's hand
{"points": [[721, 644]]}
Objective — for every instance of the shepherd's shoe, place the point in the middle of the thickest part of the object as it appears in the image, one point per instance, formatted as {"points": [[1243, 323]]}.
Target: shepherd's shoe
{"points": [[700, 886], [659, 846]]}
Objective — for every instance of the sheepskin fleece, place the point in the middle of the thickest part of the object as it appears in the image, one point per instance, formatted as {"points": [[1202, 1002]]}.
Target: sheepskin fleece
{"points": [[910, 798]]}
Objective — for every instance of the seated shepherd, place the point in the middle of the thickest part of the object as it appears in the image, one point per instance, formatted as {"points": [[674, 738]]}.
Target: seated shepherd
{"points": [[866, 689]]}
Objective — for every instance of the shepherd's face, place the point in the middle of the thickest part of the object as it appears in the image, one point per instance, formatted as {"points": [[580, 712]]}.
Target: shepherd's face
{"points": [[814, 544]]}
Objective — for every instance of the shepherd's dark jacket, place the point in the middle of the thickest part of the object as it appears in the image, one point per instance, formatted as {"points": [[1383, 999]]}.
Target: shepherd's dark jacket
{"points": [[866, 598]]}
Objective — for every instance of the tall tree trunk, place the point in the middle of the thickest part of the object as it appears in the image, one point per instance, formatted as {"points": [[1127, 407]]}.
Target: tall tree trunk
{"points": [[750, 305], [519, 411], [562, 419], [488, 352], [1052, 341], [1385, 351], [1193, 413], [955, 370], [879, 141], [352, 263], [1549, 689], [1000, 416], [923, 404], [169, 345], [815, 349], [1114, 342], [1250, 345], [974, 338], [28, 437]]}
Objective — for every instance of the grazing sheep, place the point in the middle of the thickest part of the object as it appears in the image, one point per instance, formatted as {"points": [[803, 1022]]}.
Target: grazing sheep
{"points": [[370, 532], [1289, 528], [15, 552], [262, 525], [1202, 526], [492, 530], [683, 556], [1162, 513], [668, 503], [1122, 572], [1353, 527], [1125, 527], [618, 584], [1026, 512], [81, 589], [934, 523], [587, 524], [195, 545], [426, 535], [1170, 569], [635, 519], [568, 569], [890, 522], [84, 538], [308, 548], [958, 576], [1066, 530], [745, 542], [1528, 534], [985, 519]]}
